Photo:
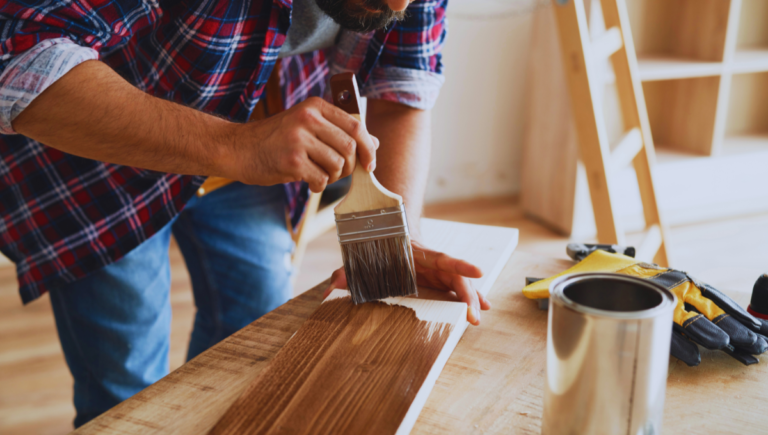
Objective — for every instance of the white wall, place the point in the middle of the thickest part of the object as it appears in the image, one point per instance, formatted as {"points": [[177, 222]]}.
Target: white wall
{"points": [[479, 119]]}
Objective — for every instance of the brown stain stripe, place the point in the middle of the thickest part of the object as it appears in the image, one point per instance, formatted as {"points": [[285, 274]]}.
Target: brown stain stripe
{"points": [[349, 369]]}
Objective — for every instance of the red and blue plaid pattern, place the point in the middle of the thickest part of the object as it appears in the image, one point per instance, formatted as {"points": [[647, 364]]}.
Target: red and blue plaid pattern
{"points": [[63, 216]]}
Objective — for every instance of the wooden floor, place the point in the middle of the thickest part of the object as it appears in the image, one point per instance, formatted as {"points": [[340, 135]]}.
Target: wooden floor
{"points": [[36, 388]]}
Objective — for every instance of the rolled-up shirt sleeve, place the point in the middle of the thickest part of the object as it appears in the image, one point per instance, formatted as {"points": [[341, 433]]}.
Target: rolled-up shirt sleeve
{"points": [[28, 74], [410, 69], [415, 88], [42, 41]]}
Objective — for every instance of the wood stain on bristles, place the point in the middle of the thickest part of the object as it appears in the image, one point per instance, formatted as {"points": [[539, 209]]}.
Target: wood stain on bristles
{"points": [[371, 222], [378, 269]]}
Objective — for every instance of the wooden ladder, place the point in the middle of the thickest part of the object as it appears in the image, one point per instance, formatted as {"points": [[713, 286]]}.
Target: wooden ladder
{"points": [[581, 58]]}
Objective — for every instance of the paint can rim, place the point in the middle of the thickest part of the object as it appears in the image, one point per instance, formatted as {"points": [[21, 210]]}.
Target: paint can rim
{"points": [[558, 286]]}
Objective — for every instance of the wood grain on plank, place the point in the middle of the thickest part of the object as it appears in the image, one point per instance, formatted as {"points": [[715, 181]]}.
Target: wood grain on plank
{"points": [[350, 369], [363, 368]]}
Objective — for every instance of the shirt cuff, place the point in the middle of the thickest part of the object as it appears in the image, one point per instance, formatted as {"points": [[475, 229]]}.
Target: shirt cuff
{"points": [[31, 72], [415, 88]]}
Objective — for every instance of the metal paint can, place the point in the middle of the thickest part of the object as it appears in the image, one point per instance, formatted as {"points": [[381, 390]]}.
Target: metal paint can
{"points": [[608, 341]]}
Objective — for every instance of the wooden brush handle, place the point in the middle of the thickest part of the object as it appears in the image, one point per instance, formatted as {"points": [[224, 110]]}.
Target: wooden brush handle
{"points": [[366, 193]]}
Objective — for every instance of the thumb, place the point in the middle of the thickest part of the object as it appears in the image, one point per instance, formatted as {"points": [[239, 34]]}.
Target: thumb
{"points": [[338, 280]]}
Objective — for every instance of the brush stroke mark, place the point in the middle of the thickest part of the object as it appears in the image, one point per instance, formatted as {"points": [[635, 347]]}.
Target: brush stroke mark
{"points": [[350, 369]]}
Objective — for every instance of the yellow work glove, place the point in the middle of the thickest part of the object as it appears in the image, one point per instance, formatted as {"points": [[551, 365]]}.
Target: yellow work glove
{"points": [[703, 315]]}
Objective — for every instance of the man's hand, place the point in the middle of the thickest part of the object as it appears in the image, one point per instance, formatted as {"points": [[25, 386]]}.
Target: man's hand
{"points": [[92, 112], [441, 272], [313, 141]]}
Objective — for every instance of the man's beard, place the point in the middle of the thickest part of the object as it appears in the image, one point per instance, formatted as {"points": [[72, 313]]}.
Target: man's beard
{"points": [[360, 16]]}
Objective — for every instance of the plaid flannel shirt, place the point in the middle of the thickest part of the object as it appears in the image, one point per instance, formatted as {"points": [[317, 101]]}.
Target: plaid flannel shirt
{"points": [[62, 216]]}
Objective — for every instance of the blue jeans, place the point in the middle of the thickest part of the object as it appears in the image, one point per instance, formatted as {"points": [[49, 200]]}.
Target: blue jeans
{"points": [[114, 325]]}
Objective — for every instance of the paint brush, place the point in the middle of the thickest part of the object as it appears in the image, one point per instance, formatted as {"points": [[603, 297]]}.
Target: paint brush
{"points": [[371, 224]]}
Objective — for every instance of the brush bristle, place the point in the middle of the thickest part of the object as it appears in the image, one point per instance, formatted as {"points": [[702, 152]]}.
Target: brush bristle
{"points": [[379, 269]]}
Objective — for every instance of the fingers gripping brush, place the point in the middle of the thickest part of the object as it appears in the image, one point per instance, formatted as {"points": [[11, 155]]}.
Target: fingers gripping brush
{"points": [[371, 224]]}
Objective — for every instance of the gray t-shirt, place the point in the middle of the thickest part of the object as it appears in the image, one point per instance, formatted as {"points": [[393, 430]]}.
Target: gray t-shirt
{"points": [[311, 29]]}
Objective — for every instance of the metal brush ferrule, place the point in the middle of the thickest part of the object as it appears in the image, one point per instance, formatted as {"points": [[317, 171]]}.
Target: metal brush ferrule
{"points": [[371, 225]]}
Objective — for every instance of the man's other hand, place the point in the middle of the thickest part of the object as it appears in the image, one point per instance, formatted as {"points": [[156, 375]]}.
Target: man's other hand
{"points": [[439, 271], [313, 141]]}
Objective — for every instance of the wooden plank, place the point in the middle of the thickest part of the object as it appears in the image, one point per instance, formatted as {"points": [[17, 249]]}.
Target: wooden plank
{"points": [[315, 383], [193, 398], [351, 369]]}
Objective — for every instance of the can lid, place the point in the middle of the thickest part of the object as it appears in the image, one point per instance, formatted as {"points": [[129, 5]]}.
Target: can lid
{"points": [[611, 295]]}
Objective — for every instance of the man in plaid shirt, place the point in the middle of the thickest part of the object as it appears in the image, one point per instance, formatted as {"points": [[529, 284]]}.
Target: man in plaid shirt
{"points": [[114, 112]]}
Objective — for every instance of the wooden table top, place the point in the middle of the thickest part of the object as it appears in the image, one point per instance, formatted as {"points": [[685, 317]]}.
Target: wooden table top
{"points": [[492, 383]]}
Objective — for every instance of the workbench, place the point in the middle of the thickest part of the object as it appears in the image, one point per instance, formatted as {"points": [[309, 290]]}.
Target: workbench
{"points": [[492, 384]]}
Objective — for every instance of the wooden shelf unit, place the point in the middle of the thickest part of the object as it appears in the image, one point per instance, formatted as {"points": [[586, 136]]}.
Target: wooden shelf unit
{"points": [[682, 57], [682, 112], [704, 68], [693, 30]]}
